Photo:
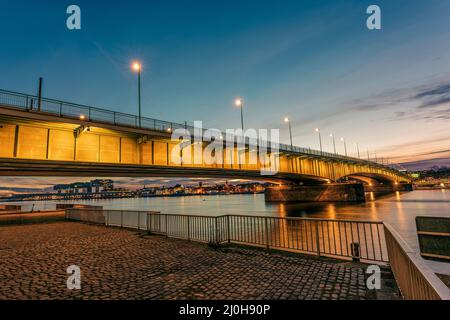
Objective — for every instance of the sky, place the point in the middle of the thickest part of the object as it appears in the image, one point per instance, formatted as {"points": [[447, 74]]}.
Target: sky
{"points": [[314, 61]]}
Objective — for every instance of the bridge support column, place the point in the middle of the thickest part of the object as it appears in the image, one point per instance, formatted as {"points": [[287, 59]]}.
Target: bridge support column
{"points": [[333, 192]]}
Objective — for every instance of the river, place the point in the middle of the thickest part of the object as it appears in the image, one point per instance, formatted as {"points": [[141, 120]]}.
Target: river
{"points": [[399, 209]]}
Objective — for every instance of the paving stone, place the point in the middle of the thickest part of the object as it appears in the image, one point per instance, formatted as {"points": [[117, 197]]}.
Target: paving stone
{"points": [[121, 264]]}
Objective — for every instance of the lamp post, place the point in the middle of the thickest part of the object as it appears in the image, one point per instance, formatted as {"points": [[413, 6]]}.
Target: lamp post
{"points": [[320, 139], [137, 67], [368, 155], [345, 145], [286, 119], [334, 143], [240, 103], [357, 149]]}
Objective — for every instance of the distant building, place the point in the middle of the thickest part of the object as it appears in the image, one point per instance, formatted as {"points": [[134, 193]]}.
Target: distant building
{"points": [[94, 186], [102, 185]]}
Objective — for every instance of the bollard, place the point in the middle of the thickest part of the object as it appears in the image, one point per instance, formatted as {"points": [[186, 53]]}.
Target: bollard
{"points": [[355, 248]]}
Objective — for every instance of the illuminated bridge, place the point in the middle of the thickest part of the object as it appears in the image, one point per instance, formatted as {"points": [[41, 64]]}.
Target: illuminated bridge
{"points": [[46, 137]]}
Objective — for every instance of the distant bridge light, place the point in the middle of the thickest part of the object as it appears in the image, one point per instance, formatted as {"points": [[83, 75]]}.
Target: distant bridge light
{"points": [[82, 117]]}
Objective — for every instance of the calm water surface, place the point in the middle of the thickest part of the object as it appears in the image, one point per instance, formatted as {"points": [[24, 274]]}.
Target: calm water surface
{"points": [[398, 209]]}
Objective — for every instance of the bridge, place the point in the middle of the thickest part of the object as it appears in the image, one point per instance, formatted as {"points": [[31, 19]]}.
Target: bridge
{"points": [[47, 137]]}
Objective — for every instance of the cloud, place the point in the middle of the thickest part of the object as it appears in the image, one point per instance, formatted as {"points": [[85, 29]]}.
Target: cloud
{"points": [[439, 90], [418, 102], [426, 164]]}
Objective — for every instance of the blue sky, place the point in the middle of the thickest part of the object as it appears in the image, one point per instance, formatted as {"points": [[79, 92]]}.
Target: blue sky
{"points": [[314, 61]]}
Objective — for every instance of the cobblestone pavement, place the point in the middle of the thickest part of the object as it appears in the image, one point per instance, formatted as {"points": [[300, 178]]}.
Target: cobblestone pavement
{"points": [[121, 264]]}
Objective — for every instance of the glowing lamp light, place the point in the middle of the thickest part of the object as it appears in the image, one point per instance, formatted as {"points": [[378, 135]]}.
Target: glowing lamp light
{"points": [[286, 119], [169, 129], [136, 66], [238, 102], [82, 117], [317, 130]]}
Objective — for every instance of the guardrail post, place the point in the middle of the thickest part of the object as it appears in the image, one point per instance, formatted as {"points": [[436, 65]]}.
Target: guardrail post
{"points": [[167, 227], [317, 238], [107, 218], [267, 232], [121, 219], [216, 231], [139, 221], [188, 229], [228, 229]]}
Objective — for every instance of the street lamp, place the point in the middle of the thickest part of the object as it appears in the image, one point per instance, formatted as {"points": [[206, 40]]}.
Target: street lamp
{"points": [[334, 143], [137, 67], [345, 145], [286, 119], [239, 102], [357, 149], [320, 138]]}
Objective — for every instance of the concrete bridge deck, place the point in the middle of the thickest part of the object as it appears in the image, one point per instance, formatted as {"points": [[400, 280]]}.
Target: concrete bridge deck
{"points": [[45, 137]]}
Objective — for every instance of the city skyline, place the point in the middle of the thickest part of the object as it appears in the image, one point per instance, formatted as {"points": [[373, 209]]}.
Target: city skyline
{"points": [[281, 59]]}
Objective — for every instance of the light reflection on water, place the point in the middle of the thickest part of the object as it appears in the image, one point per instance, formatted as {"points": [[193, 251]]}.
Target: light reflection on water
{"points": [[399, 209]]}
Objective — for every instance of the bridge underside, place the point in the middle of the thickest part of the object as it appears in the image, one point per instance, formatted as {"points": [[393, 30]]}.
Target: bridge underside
{"points": [[48, 168]]}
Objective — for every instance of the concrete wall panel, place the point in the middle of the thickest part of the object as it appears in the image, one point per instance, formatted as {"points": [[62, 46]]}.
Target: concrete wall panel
{"points": [[109, 149], [32, 143], [87, 147], [61, 145], [160, 153], [7, 133], [129, 151]]}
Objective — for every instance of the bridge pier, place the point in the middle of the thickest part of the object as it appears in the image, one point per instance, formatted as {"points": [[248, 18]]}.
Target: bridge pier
{"points": [[332, 192], [388, 188]]}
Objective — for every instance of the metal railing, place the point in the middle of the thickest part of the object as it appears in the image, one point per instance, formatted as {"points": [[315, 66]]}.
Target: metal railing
{"points": [[360, 240], [366, 241], [414, 277], [73, 110], [127, 218]]}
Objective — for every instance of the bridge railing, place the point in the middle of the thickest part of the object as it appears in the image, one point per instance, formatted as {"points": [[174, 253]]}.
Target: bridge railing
{"points": [[89, 113]]}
